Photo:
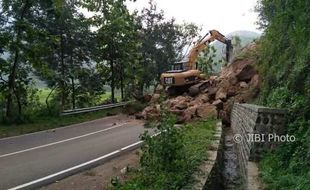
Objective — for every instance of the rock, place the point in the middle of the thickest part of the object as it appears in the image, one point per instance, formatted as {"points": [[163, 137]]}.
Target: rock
{"points": [[243, 84], [151, 113], [255, 81], [191, 111], [187, 118], [139, 116], [246, 73], [212, 92], [233, 80], [155, 98], [124, 170], [231, 92], [213, 77], [157, 106], [180, 102], [221, 94], [218, 104], [204, 98], [181, 106], [207, 111], [176, 111]]}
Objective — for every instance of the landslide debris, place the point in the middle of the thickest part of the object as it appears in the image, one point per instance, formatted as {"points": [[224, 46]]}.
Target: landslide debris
{"points": [[237, 82]]}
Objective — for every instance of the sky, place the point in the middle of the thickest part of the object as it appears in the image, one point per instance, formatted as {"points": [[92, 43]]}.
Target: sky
{"points": [[223, 15]]}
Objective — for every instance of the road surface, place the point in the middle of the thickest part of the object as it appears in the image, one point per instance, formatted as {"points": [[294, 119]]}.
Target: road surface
{"points": [[32, 160]]}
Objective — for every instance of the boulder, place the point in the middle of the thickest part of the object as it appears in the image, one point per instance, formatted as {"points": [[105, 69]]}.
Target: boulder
{"points": [[212, 92], [207, 111], [218, 104], [255, 81], [203, 98], [243, 84], [233, 80], [151, 113], [181, 106], [246, 73], [221, 94], [176, 111], [155, 98], [191, 111], [231, 92]]}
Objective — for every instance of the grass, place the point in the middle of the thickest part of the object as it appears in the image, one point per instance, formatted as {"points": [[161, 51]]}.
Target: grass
{"points": [[192, 150], [43, 93], [44, 123], [107, 95]]}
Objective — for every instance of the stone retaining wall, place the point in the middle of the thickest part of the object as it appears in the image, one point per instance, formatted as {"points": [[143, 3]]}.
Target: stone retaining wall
{"points": [[252, 125]]}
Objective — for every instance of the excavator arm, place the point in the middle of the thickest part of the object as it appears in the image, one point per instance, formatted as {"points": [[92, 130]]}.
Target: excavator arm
{"points": [[205, 41]]}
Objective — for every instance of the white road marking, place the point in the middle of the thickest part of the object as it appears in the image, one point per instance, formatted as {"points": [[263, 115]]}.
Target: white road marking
{"points": [[76, 167], [62, 141]]}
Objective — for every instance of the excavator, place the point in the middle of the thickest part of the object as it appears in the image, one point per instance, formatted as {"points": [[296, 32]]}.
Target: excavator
{"points": [[185, 76]]}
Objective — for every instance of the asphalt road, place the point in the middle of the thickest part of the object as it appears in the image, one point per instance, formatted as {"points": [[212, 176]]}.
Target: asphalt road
{"points": [[29, 159]]}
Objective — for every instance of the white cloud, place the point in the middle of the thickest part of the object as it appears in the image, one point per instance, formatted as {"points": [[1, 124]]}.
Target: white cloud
{"points": [[223, 15]]}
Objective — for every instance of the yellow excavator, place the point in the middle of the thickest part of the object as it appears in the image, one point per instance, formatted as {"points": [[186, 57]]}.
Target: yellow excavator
{"points": [[185, 76]]}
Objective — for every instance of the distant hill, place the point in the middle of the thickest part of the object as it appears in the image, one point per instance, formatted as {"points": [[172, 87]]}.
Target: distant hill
{"points": [[246, 38]]}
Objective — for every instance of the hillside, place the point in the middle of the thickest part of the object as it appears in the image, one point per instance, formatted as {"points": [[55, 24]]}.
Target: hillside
{"points": [[246, 38]]}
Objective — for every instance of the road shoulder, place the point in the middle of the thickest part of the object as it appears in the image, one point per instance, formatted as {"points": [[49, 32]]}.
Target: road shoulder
{"points": [[99, 177]]}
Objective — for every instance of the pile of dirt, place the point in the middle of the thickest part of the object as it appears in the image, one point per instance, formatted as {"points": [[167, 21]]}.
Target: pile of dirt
{"points": [[238, 82]]}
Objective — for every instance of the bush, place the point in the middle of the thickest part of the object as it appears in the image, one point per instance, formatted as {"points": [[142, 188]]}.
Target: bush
{"points": [[284, 64], [169, 159]]}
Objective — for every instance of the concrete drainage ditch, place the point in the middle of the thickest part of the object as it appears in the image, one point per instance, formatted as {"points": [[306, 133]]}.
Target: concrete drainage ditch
{"points": [[233, 154]]}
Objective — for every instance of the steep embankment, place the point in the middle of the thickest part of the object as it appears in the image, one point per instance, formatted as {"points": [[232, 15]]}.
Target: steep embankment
{"points": [[238, 82], [284, 63]]}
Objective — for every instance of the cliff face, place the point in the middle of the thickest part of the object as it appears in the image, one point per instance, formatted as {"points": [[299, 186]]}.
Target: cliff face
{"points": [[238, 82]]}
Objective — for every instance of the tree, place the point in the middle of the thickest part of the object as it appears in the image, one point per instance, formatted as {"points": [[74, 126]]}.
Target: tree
{"points": [[162, 43], [206, 60], [115, 42], [19, 34]]}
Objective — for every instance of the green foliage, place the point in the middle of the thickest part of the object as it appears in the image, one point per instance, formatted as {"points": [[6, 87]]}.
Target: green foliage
{"points": [[206, 60], [285, 66], [76, 57], [169, 159]]}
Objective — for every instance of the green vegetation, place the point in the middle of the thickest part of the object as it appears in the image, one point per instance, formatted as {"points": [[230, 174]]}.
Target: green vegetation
{"points": [[78, 57], [51, 122], [169, 160], [285, 67]]}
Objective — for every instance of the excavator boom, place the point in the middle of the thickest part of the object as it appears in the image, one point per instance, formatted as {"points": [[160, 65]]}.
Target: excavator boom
{"points": [[204, 42]]}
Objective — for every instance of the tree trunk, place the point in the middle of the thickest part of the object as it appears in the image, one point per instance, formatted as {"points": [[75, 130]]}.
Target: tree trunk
{"points": [[73, 92], [122, 82], [62, 83], [12, 76], [112, 81], [72, 78], [48, 96]]}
